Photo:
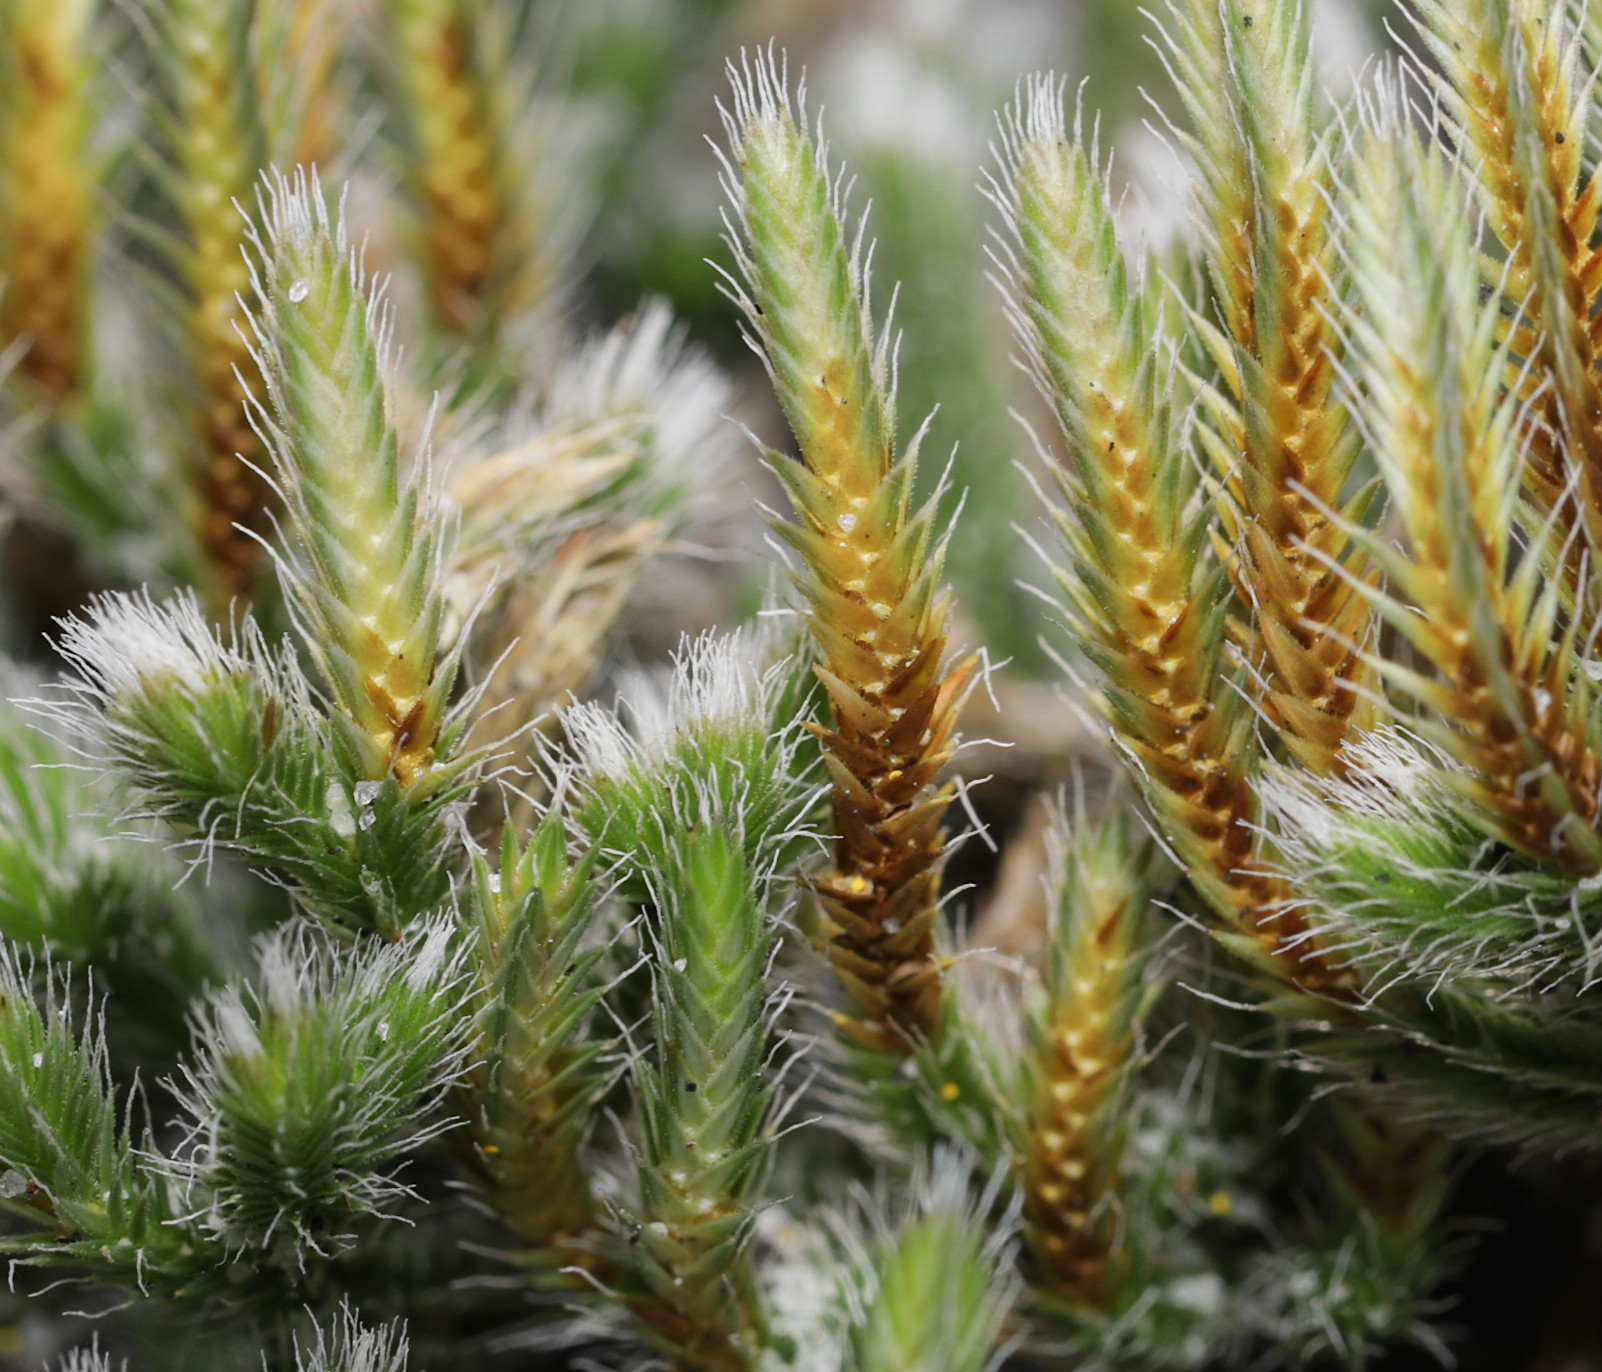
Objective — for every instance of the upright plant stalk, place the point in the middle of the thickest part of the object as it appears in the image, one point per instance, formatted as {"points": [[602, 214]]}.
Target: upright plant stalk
{"points": [[701, 804], [1510, 701], [475, 231], [937, 1289], [538, 1079], [871, 564], [296, 45], [1515, 86], [1282, 437], [704, 1107], [217, 150], [1147, 602], [1081, 1054], [1283, 440], [367, 581], [47, 180]]}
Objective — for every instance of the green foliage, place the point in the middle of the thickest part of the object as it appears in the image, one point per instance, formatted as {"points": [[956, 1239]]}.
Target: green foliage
{"points": [[73, 1169], [719, 738], [703, 1097], [394, 959], [708, 802], [1414, 889], [366, 586], [226, 743], [307, 1082], [541, 1068], [931, 1290], [81, 889]]}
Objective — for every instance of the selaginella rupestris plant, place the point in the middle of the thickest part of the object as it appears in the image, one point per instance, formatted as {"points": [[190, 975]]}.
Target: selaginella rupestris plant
{"points": [[872, 565], [378, 986]]}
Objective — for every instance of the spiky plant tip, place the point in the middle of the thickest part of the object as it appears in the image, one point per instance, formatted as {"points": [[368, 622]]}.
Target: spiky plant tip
{"points": [[308, 1084], [162, 694], [128, 646], [540, 1070], [1431, 358], [706, 856], [871, 564], [1401, 873], [90, 1359], [647, 374], [1511, 83], [215, 146], [366, 577], [488, 247], [227, 741], [295, 51], [75, 878], [935, 1287], [704, 1106], [66, 1074], [720, 692], [1247, 80], [1083, 1039], [1274, 423], [348, 1344], [71, 1163], [715, 741], [1145, 596], [795, 250]]}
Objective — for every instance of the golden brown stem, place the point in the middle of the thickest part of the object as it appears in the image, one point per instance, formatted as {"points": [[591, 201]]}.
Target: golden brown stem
{"points": [[885, 752], [1143, 595], [470, 235], [1508, 69], [46, 191], [872, 579], [1283, 442], [1501, 696], [1071, 1166]]}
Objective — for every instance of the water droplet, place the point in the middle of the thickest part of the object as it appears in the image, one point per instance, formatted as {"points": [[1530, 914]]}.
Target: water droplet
{"points": [[383, 1031], [847, 522], [366, 820], [38, 1059], [12, 1183], [367, 792], [298, 292], [679, 964], [339, 816]]}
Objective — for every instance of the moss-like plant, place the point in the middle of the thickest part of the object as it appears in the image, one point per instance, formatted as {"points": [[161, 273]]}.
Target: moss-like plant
{"points": [[394, 960]]}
